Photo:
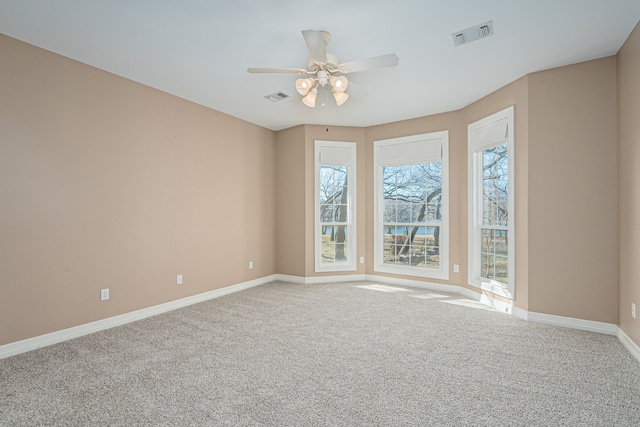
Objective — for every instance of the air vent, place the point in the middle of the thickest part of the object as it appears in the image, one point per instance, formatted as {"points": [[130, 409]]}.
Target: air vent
{"points": [[278, 96], [474, 33]]}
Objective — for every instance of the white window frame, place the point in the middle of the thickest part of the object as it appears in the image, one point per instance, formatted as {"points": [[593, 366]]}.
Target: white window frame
{"points": [[496, 129], [336, 153], [414, 149]]}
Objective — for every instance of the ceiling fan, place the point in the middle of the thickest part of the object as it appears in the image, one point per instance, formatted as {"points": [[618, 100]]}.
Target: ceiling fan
{"points": [[324, 69]]}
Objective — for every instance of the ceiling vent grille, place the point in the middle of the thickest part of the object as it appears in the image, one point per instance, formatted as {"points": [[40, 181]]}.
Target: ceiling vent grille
{"points": [[278, 96], [474, 33]]}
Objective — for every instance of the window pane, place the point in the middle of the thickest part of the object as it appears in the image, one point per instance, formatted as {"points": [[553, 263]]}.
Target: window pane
{"points": [[434, 212], [432, 242], [334, 208], [495, 180], [404, 211], [328, 247], [340, 240], [341, 213], [388, 256], [326, 213], [412, 195], [389, 211], [488, 270], [501, 246], [494, 247], [487, 241], [501, 263], [417, 212]]}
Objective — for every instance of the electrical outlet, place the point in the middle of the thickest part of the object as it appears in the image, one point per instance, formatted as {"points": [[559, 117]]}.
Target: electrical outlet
{"points": [[250, 265], [104, 294], [633, 310], [179, 279], [456, 268], [361, 260]]}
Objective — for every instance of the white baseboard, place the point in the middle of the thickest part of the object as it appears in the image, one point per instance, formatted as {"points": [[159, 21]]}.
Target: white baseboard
{"points": [[23, 346], [633, 348], [573, 323], [290, 279], [29, 344]]}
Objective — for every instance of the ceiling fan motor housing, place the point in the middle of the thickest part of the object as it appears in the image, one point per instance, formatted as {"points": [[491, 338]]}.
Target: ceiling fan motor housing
{"points": [[331, 66]]}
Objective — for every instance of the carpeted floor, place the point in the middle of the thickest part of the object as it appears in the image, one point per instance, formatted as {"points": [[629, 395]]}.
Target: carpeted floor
{"points": [[344, 354]]}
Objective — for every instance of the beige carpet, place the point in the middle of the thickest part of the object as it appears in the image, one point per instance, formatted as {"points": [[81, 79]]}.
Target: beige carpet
{"points": [[344, 354]]}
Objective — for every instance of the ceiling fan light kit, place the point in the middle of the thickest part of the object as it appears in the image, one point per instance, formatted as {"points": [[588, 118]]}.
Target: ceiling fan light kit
{"points": [[324, 69], [310, 98], [303, 86], [340, 97]]}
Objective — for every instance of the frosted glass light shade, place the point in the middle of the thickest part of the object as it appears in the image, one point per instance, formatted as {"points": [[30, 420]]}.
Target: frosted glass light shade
{"points": [[339, 84], [303, 86], [341, 97], [310, 99]]}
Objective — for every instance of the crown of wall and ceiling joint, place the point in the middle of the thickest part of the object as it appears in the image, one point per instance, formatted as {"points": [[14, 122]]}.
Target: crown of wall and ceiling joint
{"points": [[474, 33], [278, 96]]}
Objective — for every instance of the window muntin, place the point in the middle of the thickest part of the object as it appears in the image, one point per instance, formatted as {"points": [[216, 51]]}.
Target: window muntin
{"points": [[334, 213], [491, 204], [412, 214], [335, 206], [495, 214], [411, 221]]}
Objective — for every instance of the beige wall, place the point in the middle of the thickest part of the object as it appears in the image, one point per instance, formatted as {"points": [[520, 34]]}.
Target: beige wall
{"points": [[290, 205], [572, 191], [628, 68], [106, 183]]}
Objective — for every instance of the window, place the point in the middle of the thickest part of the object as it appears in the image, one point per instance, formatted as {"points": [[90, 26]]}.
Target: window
{"points": [[335, 206], [411, 205], [491, 203]]}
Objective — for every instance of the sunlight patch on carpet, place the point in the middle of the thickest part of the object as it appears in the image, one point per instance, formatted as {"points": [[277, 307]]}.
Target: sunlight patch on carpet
{"points": [[383, 288], [429, 296], [469, 303]]}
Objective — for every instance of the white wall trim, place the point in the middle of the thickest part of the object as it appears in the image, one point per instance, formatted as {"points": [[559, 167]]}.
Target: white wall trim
{"points": [[289, 278], [633, 348], [573, 323], [29, 344]]}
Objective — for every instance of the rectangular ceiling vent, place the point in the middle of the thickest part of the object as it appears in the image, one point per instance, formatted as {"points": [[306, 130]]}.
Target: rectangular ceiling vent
{"points": [[278, 96], [474, 33]]}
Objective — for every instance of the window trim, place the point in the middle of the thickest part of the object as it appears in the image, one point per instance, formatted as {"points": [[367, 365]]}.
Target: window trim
{"points": [[442, 138], [491, 131], [349, 160]]}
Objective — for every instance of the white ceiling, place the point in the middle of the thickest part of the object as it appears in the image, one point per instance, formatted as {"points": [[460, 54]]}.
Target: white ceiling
{"points": [[200, 49]]}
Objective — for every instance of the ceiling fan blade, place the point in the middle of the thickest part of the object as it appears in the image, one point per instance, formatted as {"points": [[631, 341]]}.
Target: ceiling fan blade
{"points": [[316, 44], [356, 92], [277, 70], [389, 60]]}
